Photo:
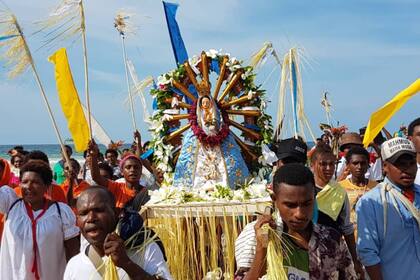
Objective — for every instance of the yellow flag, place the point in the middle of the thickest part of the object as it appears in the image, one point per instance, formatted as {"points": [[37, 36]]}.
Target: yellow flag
{"points": [[383, 115], [69, 100]]}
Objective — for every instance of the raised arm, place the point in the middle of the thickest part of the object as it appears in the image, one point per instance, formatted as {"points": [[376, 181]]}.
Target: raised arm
{"points": [[139, 152], [93, 164], [137, 144], [387, 134]]}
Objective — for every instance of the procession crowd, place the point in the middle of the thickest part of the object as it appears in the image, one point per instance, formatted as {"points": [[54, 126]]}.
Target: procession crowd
{"points": [[355, 215]]}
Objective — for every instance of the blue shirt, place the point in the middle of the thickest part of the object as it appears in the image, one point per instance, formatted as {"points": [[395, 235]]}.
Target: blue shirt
{"points": [[398, 252]]}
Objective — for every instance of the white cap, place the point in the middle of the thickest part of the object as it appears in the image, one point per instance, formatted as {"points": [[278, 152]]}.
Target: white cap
{"points": [[392, 149]]}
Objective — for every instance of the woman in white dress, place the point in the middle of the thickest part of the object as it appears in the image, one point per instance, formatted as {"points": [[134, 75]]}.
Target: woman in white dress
{"points": [[40, 235]]}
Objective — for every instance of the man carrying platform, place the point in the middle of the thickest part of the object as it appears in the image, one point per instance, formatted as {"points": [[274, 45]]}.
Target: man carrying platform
{"points": [[314, 251], [97, 219]]}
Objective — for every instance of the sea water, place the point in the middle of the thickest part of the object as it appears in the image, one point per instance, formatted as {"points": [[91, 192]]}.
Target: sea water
{"points": [[53, 152]]}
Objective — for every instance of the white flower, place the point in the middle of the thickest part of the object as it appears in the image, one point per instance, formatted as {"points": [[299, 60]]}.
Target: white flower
{"points": [[235, 67], [158, 153], [258, 190], [162, 80], [268, 156], [263, 104], [239, 195], [193, 63], [167, 117], [156, 126], [163, 194], [168, 176], [233, 64], [165, 160], [159, 142], [246, 74], [194, 60], [163, 166], [174, 102], [212, 53]]}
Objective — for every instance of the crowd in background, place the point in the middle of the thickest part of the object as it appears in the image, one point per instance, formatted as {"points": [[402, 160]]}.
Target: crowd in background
{"points": [[354, 214]]}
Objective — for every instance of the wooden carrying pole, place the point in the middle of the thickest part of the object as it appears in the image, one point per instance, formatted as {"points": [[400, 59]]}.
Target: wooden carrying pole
{"points": [[130, 96], [85, 60]]}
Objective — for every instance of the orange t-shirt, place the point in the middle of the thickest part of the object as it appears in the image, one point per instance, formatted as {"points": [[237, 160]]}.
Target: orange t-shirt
{"points": [[54, 193], [121, 192], [77, 190]]}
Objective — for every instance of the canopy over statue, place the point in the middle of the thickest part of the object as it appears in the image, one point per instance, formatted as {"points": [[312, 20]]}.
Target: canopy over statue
{"points": [[195, 135]]}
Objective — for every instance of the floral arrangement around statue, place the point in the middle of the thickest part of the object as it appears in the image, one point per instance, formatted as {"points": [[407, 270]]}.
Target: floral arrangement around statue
{"points": [[195, 136]]}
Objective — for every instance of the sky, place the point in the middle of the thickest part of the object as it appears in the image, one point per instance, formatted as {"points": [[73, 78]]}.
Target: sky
{"points": [[361, 52]]}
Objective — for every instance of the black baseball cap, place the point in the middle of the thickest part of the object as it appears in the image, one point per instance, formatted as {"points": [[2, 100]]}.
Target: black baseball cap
{"points": [[291, 148]]}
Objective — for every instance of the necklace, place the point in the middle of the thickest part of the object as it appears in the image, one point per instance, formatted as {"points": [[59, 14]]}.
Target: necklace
{"points": [[360, 188]]}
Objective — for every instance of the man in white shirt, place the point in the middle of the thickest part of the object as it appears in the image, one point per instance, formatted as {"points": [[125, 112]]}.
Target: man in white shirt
{"points": [[414, 136], [97, 220]]}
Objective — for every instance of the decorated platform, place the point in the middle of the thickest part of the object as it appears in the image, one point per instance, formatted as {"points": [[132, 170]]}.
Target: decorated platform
{"points": [[210, 135], [199, 228]]}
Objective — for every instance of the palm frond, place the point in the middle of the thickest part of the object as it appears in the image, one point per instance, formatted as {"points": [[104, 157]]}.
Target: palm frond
{"points": [[64, 22], [122, 22], [16, 53]]}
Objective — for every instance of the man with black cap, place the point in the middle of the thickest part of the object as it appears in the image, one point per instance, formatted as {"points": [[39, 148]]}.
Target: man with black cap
{"points": [[290, 150], [388, 217]]}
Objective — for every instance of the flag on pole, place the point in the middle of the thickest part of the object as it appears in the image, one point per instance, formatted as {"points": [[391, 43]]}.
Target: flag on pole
{"points": [[69, 100], [379, 119], [98, 132], [178, 47], [180, 52]]}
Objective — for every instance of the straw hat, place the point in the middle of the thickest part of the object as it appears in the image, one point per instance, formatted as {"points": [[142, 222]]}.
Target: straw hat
{"points": [[350, 138]]}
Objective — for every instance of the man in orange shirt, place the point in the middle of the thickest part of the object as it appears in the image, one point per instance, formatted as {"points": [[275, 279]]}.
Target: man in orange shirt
{"points": [[128, 194]]}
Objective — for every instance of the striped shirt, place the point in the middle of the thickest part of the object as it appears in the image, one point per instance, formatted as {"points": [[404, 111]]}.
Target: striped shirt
{"points": [[328, 255], [246, 243]]}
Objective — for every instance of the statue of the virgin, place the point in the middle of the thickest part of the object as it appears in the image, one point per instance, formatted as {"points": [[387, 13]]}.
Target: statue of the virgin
{"points": [[209, 154]]}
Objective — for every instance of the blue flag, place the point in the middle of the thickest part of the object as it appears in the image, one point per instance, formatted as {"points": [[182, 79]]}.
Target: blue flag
{"points": [[178, 46]]}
